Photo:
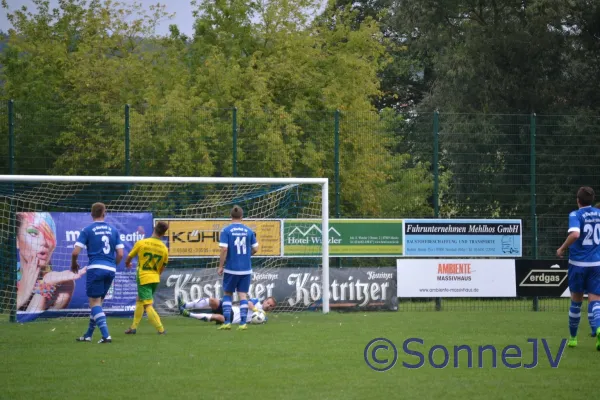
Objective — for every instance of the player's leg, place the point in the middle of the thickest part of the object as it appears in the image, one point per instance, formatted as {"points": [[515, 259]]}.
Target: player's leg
{"points": [[576, 276], [593, 286], [203, 303], [148, 301], [216, 316], [99, 316], [591, 317], [137, 315], [91, 280], [243, 287], [206, 317], [229, 285]]}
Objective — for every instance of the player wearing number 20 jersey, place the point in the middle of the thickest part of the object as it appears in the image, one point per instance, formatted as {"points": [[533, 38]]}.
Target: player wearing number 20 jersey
{"points": [[585, 251], [584, 262]]}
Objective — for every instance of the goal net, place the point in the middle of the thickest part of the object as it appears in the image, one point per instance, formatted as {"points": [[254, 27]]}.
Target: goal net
{"points": [[41, 218]]}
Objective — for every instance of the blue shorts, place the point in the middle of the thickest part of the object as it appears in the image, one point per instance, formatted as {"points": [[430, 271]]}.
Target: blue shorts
{"points": [[584, 279], [239, 283], [98, 282]]}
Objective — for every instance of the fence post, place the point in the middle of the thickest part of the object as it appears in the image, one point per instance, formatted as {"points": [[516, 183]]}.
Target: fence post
{"points": [[436, 180], [436, 170], [12, 257], [533, 199], [127, 142], [336, 170], [235, 139], [11, 137]]}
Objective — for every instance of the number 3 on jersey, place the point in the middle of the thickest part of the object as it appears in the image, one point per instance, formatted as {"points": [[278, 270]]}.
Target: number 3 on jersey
{"points": [[106, 248], [591, 230], [240, 244]]}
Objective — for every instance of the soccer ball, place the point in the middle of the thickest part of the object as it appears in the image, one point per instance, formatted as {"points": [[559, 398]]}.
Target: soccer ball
{"points": [[259, 317]]}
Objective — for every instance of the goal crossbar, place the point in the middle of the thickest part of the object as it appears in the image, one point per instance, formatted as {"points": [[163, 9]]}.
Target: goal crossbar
{"points": [[324, 182], [159, 179]]}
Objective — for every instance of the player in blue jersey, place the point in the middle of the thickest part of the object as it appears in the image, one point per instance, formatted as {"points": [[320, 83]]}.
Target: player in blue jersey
{"points": [[583, 243], [216, 306], [102, 241], [238, 244]]}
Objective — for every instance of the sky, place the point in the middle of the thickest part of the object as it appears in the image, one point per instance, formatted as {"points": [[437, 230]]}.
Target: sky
{"points": [[182, 8]]}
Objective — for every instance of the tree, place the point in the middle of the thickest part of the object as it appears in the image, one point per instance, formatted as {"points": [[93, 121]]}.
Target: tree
{"points": [[278, 69]]}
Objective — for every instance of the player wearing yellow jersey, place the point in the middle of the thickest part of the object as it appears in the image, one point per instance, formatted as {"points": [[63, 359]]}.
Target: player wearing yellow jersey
{"points": [[153, 256]]}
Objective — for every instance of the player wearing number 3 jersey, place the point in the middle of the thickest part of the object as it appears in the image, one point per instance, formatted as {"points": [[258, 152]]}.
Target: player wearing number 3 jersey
{"points": [[583, 243], [102, 241], [153, 256], [238, 243]]}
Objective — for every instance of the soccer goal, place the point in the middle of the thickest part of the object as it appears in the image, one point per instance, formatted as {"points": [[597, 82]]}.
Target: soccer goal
{"points": [[41, 217]]}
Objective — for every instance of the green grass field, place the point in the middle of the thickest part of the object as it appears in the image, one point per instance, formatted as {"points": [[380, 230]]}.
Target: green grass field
{"points": [[302, 356]]}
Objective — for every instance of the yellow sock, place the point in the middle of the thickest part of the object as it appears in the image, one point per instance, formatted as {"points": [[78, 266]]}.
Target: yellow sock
{"points": [[154, 318], [138, 314]]}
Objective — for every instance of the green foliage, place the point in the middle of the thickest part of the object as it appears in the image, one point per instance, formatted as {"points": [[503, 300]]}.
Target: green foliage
{"points": [[78, 65]]}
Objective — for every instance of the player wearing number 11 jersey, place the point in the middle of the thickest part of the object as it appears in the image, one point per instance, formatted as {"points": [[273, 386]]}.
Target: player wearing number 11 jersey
{"points": [[238, 243], [583, 243], [153, 256]]}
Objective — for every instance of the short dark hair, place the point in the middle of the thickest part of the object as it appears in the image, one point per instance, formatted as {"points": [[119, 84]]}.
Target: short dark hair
{"points": [[274, 301], [160, 228], [98, 209], [237, 212], [585, 195]]}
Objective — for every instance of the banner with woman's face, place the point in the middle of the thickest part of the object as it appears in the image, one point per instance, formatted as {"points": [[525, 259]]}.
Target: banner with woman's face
{"points": [[45, 285]]}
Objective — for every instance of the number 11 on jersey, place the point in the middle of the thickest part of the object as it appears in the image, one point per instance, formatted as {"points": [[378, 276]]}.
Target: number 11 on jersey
{"points": [[240, 244]]}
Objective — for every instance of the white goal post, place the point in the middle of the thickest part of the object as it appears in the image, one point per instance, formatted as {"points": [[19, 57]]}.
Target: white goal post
{"points": [[48, 193]]}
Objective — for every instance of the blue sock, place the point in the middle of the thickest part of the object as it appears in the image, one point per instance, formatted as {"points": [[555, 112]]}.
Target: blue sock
{"points": [[91, 328], [591, 318], [574, 317], [243, 311], [100, 318], [227, 309], [596, 310]]}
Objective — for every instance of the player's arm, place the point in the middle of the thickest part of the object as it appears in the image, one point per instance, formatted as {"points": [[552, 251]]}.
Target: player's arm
{"points": [[74, 257], [574, 232], [222, 258], [79, 244], [252, 307], [119, 247], [165, 262], [572, 238], [132, 254], [223, 244], [254, 245], [119, 255]]}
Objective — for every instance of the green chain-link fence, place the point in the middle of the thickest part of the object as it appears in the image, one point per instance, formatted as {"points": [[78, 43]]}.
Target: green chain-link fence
{"points": [[380, 164]]}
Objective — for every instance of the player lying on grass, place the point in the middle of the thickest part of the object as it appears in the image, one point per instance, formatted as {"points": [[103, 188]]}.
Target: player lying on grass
{"points": [[216, 305]]}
